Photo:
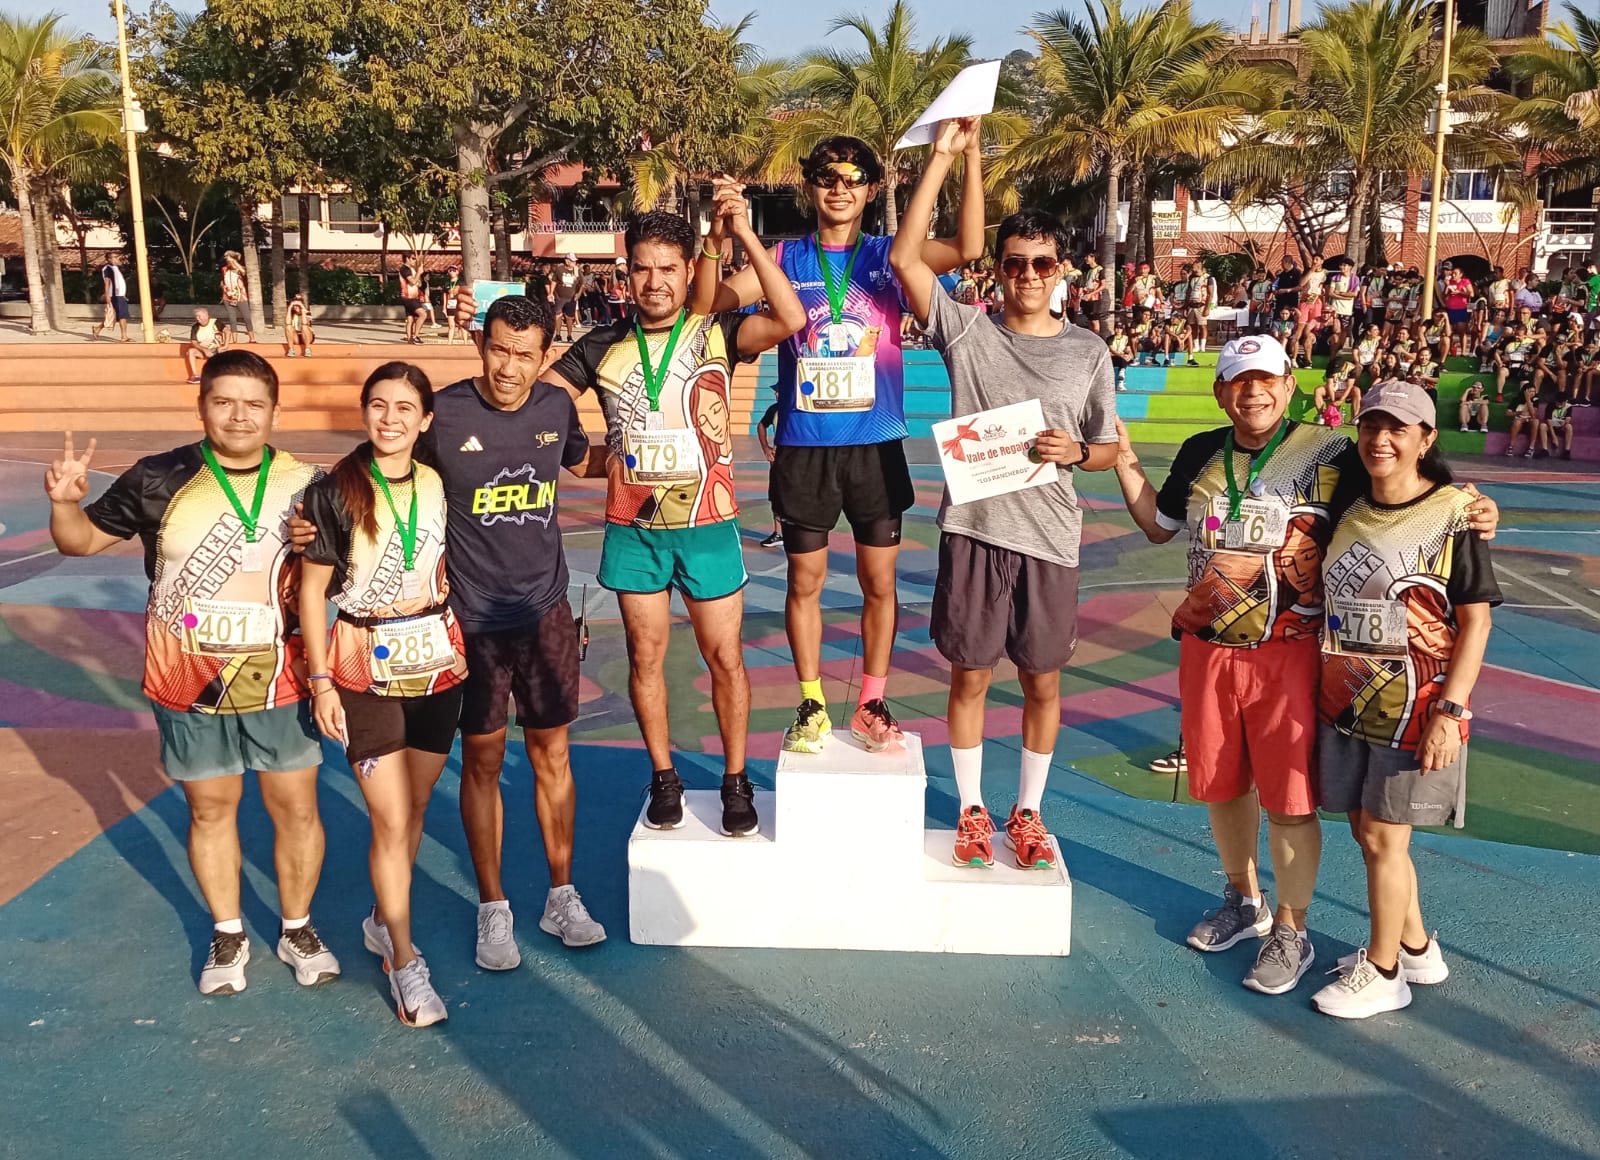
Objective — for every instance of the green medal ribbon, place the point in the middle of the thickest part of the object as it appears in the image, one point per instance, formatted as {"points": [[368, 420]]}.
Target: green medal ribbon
{"points": [[837, 287], [1235, 496], [250, 518], [655, 376], [407, 530]]}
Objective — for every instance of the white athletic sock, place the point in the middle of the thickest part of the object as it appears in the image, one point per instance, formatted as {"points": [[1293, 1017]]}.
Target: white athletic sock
{"points": [[1035, 772], [1256, 901], [499, 904], [295, 923], [969, 775], [230, 926], [559, 890]]}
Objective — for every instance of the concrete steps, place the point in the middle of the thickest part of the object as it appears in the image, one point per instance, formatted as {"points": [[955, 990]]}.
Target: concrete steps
{"points": [[107, 386]]}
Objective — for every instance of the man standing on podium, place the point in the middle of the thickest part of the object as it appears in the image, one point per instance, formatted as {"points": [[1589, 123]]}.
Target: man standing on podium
{"points": [[1008, 564]]}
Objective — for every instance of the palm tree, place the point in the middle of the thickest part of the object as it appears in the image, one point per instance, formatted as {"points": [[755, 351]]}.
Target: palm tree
{"points": [[56, 93], [1125, 89], [1372, 68], [662, 168], [1562, 113], [876, 94]]}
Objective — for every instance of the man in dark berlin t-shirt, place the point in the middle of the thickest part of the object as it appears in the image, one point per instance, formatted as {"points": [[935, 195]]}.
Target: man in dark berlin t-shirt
{"points": [[499, 442]]}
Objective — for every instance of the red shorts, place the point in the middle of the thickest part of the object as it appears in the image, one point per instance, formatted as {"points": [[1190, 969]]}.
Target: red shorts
{"points": [[1309, 311], [1249, 717]]}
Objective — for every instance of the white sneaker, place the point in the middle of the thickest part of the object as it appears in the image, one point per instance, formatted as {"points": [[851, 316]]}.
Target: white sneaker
{"points": [[312, 961], [1426, 969], [375, 937], [497, 946], [223, 973], [568, 919], [415, 1000], [1362, 992]]}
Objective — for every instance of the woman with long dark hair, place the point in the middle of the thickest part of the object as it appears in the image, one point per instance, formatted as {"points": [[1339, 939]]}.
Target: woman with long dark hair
{"points": [[1407, 593], [388, 684]]}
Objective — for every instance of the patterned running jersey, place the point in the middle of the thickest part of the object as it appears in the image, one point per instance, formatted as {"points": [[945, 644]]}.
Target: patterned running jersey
{"points": [[872, 301], [368, 575], [200, 594], [1243, 598], [695, 395], [1411, 565]]}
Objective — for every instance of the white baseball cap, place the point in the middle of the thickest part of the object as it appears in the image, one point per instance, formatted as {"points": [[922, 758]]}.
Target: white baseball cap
{"points": [[1253, 352]]}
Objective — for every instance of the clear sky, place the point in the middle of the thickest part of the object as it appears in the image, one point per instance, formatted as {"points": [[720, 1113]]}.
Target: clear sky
{"points": [[786, 28]]}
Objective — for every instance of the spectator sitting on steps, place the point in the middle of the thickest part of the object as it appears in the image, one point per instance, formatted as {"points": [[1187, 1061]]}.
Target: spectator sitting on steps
{"points": [[206, 338]]}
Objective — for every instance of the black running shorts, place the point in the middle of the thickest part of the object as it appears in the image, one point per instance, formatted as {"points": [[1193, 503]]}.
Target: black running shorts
{"points": [[535, 665], [811, 487], [377, 726]]}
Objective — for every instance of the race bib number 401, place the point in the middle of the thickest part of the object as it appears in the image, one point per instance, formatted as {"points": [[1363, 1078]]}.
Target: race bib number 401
{"points": [[837, 384], [1367, 627], [227, 627], [671, 455], [411, 648]]}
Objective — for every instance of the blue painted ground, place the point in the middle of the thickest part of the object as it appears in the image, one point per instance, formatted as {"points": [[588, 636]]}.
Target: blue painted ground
{"points": [[1133, 1046]]}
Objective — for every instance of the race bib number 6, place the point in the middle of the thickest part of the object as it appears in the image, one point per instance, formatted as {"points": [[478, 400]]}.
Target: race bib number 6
{"points": [[667, 456], [1261, 526], [1366, 627], [227, 627], [836, 384], [411, 648]]}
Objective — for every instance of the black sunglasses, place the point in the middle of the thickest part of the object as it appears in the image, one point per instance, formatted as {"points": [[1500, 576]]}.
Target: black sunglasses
{"points": [[1016, 265], [830, 176]]}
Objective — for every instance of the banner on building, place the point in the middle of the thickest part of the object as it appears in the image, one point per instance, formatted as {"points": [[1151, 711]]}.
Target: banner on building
{"points": [[1166, 225]]}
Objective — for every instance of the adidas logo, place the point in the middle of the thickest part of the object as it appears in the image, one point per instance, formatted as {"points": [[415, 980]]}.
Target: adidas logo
{"points": [[472, 444]]}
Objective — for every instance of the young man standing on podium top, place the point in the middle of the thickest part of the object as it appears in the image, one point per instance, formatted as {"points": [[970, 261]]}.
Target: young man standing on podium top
{"points": [[841, 419], [1008, 564]]}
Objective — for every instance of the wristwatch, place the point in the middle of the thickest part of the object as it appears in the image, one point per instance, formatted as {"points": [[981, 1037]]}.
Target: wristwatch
{"points": [[1452, 709], [1084, 458]]}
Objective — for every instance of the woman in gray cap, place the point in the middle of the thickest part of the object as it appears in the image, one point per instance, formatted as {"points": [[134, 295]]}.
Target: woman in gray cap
{"points": [[1407, 593]]}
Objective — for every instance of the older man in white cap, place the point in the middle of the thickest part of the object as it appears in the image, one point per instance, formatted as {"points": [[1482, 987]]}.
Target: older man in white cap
{"points": [[1258, 498]]}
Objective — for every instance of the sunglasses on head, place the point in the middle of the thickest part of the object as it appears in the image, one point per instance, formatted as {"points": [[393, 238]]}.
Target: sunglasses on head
{"points": [[829, 176], [1016, 265]]}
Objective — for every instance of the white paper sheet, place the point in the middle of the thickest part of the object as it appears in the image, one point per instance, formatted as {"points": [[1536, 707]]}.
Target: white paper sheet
{"points": [[970, 94]]}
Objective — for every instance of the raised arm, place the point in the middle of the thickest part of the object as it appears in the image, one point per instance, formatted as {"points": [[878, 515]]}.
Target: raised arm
{"points": [[783, 314], [66, 482], [711, 293], [909, 254], [945, 254]]}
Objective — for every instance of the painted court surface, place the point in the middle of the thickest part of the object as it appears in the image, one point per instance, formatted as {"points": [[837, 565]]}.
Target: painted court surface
{"points": [[1133, 1046]]}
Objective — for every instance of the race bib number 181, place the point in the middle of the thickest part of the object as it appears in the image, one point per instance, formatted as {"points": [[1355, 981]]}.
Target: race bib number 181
{"points": [[837, 384]]}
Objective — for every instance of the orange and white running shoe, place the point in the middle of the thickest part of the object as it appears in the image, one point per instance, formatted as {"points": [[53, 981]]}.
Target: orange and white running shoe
{"points": [[973, 832], [1025, 834], [875, 727]]}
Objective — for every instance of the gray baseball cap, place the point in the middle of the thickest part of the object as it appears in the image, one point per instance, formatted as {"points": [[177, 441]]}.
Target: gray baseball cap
{"points": [[1407, 402]]}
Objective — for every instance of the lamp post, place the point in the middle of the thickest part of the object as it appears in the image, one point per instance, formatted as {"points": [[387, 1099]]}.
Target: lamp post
{"points": [[1442, 127], [132, 126]]}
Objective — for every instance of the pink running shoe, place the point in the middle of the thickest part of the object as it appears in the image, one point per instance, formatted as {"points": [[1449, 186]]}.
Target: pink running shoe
{"points": [[1025, 834], [973, 832], [875, 727]]}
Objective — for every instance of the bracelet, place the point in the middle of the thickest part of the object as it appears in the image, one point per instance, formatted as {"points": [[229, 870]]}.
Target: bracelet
{"points": [[714, 256], [324, 689]]}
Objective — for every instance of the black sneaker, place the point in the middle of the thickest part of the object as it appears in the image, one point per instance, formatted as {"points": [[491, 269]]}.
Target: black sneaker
{"points": [[773, 541], [665, 811], [739, 807]]}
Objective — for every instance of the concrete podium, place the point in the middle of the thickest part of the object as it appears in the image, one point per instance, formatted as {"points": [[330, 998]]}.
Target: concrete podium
{"points": [[843, 861]]}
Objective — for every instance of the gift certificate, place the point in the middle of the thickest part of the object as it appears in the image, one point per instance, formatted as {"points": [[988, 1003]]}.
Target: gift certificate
{"points": [[987, 453]]}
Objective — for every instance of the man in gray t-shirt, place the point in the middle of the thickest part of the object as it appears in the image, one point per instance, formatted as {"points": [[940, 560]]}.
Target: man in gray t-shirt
{"points": [[1008, 565]]}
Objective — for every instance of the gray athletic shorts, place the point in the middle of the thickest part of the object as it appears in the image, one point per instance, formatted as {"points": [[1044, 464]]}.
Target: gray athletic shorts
{"points": [[1352, 774], [989, 602]]}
